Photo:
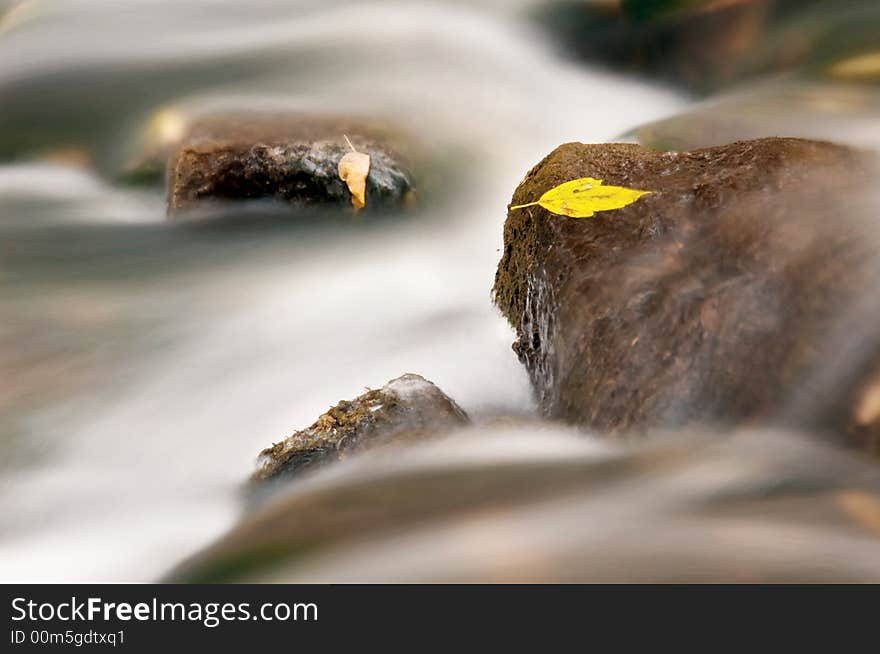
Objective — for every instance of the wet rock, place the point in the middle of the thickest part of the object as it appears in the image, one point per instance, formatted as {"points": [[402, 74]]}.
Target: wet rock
{"points": [[706, 44], [407, 408], [743, 288], [540, 503], [843, 113], [292, 160]]}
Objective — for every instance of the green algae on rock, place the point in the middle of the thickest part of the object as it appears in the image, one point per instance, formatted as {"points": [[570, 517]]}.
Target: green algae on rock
{"points": [[724, 296], [406, 408]]}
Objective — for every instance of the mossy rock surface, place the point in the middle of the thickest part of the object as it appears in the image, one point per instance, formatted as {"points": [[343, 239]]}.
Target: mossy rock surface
{"points": [[406, 408], [290, 160], [724, 296]]}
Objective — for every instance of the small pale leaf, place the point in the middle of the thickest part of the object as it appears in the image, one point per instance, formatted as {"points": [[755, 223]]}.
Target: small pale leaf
{"points": [[353, 170], [581, 198]]}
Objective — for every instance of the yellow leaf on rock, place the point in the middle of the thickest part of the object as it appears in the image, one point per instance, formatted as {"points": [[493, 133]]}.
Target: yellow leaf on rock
{"points": [[581, 198], [353, 170]]}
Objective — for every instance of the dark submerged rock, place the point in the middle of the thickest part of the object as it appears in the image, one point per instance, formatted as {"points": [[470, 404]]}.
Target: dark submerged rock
{"points": [[683, 42], [819, 110], [533, 503], [706, 45], [289, 159], [407, 408], [731, 293]]}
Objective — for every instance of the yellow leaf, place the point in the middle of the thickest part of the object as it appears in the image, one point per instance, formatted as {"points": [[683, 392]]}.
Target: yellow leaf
{"points": [[581, 198], [353, 170]]}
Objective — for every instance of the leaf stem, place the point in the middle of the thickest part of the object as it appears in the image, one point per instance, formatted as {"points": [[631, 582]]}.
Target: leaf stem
{"points": [[523, 206], [345, 136]]}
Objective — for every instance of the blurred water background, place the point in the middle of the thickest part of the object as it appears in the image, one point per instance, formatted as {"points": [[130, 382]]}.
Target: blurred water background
{"points": [[143, 364]]}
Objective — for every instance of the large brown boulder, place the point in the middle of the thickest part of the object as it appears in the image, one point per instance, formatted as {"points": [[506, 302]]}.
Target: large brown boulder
{"points": [[743, 287]]}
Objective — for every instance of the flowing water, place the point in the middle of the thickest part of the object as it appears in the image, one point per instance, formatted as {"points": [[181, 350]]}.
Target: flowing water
{"points": [[144, 365]]}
